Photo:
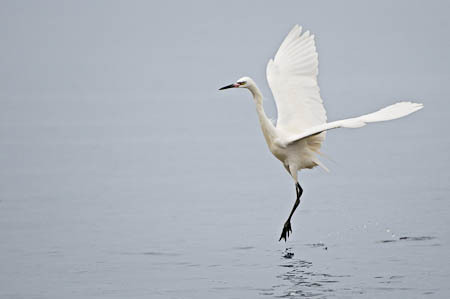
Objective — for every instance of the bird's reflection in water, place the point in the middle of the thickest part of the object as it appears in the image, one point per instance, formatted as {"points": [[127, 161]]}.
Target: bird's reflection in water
{"points": [[300, 281]]}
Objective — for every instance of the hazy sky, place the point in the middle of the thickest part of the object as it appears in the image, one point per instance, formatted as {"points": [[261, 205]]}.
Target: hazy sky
{"points": [[161, 47]]}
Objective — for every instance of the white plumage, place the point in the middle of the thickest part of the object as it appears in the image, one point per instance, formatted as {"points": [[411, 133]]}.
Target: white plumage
{"points": [[292, 76], [301, 123], [388, 113]]}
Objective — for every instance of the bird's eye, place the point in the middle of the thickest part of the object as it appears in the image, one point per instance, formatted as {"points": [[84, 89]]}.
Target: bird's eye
{"points": [[241, 83]]}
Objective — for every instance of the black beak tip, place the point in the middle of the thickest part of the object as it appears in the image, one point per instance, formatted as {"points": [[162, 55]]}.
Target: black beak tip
{"points": [[226, 87]]}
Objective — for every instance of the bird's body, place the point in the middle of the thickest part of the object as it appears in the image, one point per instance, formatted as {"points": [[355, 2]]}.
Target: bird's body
{"points": [[301, 124], [295, 156]]}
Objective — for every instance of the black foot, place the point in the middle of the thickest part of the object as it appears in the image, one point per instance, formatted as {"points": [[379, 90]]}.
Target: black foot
{"points": [[286, 231]]}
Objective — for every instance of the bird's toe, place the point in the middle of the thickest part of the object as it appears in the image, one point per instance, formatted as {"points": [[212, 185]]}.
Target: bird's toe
{"points": [[287, 230]]}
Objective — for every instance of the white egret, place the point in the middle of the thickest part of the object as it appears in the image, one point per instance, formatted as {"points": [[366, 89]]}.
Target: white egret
{"points": [[302, 122]]}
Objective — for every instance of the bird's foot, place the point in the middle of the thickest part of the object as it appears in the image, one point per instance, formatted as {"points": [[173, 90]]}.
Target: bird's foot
{"points": [[287, 230]]}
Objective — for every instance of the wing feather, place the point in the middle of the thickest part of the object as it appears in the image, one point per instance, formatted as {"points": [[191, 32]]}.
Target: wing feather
{"points": [[292, 77], [391, 112]]}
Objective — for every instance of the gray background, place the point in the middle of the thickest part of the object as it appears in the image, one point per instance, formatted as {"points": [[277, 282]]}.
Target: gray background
{"points": [[125, 173]]}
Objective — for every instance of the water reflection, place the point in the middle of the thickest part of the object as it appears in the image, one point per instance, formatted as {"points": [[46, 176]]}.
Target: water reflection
{"points": [[299, 280]]}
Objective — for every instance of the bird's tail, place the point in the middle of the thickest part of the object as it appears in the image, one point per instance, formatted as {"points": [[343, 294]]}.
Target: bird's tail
{"points": [[318, 162]]}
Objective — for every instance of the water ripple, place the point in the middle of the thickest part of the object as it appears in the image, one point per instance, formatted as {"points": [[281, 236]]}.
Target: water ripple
{"points": [[405, 238], [301, 280]]}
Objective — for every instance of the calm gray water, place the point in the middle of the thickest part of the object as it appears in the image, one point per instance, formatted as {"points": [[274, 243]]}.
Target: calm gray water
{"points": [[124, 173]]}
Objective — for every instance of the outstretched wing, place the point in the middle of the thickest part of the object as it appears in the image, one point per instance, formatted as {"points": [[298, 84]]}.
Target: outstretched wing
{"points": [[391, 112], [292, 76]]}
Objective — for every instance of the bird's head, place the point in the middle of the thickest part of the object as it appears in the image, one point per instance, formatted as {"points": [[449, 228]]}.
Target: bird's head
{"points": [[244, 82]]}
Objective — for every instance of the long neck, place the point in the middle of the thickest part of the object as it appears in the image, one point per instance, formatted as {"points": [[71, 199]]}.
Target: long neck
{"points": [[266, 125]]}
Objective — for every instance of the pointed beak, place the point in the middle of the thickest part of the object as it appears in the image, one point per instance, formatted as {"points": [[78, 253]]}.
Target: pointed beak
{"points": [[234, 85]]}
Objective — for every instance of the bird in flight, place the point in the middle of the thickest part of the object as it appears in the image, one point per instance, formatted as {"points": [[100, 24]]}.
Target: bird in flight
{"points": [[300, 128]]}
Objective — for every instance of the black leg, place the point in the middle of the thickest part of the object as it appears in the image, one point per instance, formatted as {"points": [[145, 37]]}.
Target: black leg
{"points": [[287, 230]]}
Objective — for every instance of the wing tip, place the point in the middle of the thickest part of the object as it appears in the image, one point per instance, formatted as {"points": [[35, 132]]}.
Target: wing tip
{"points": [[296, 31], [412, 105]]}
